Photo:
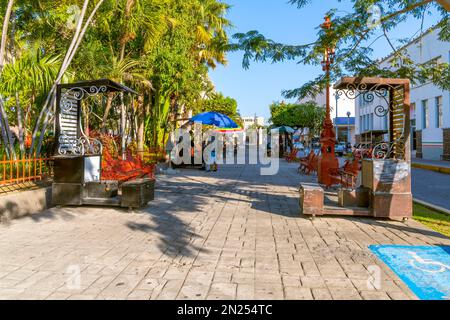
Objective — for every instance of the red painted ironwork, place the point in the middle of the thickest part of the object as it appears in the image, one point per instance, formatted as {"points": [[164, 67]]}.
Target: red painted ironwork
{"points": [[309, 164], [327, 159], [292, 156], [347, 175], [114, 168]]}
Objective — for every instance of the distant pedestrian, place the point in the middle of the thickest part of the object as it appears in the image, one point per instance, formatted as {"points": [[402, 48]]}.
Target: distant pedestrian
{"points": [[210, 158]]}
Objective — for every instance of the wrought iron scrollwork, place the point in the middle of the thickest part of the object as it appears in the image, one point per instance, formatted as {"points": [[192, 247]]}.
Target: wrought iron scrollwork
{"points": [[68, 145], [81, 146], [68, 141], [390, 150], [382, 98], [70, 97], [381, 111], [369, 94]]}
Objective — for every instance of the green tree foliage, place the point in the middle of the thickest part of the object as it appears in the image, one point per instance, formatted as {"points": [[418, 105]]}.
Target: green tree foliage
{"points": [[306, 115], [353, 35], [162, 48], [225, 105]]}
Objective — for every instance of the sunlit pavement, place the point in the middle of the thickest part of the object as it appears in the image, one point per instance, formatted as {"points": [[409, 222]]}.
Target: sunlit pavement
{"points": [[227, 235]]}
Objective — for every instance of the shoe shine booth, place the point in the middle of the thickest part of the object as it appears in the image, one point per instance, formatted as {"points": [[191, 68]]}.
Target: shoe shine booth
{"points": [[383, 189], [78, 158]]}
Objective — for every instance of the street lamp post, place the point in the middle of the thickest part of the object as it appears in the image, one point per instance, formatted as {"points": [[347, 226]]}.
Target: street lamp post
{"points": [[348, 126], [327, 160], [337, 116]]}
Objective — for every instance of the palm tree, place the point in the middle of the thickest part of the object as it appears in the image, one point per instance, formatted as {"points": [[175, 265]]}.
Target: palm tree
{"points": [[6, 131], [211, 32], [26, 78]]}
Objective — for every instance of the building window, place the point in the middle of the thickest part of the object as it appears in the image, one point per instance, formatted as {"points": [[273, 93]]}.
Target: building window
{"points": [[365, 99], [425, 116], [413, 111], [371, 121], [385, 122], [439, 113], [433, 63]]}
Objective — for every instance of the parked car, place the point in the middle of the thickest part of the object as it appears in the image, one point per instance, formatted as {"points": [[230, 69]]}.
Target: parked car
{"points": [[299, 146], [340, 149]]}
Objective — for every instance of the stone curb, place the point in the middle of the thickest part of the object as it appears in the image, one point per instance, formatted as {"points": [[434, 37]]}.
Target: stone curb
{"points": [[431, 167], [432, 206]]}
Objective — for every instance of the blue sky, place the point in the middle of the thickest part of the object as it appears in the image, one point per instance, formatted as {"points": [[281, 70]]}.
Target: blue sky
{"points": [[256, 88]]}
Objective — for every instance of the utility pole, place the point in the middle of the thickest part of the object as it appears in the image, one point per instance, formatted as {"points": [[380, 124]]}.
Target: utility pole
{"points": [[337, 115], [327, 160]]}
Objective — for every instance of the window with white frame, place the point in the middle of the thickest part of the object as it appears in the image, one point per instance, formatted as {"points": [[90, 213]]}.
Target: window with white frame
{"points": [[433, 63], [439, 113], [425, 115], [364, 99]]}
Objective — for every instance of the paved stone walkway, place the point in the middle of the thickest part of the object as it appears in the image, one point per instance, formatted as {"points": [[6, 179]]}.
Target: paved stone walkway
{"points": [[230, 235]]}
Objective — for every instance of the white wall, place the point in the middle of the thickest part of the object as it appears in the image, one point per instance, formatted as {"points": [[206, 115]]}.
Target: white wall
{"points": [[423, 50], [344, 104], [250, 121], [366, 118]]}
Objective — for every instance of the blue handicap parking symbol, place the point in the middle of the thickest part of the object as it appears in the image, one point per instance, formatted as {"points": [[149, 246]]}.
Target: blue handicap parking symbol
{"points": [[424, 269]]}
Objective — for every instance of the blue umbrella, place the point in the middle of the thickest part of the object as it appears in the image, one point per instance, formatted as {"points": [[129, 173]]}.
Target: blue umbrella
{"points": [[215, 119]]}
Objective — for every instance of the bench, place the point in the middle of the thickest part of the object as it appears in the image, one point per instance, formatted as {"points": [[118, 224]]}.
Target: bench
{"points": [[347, 175], [309, 165], [292, 156], [312, 197]]}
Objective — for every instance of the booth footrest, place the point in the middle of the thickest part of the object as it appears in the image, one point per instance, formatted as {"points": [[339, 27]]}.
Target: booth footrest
{"points": [[113, 202], [138, 193]]}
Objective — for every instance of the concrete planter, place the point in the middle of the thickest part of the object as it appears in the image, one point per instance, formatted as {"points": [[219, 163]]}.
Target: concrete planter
{"points": [[20, 204]]}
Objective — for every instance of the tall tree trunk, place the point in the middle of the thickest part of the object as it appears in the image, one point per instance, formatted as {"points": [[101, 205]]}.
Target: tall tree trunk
{"points": [[5, 124], [4, 34], [47, 119], [107, 110], [140, 117], [4, 136], [125, 37], [86, 119], [27, 114], [78, 36], [20, 125], [6, 131], [50, 97], [123, 125]]}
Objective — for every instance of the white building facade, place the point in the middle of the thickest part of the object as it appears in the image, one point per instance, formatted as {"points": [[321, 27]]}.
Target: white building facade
{"points": [[341, 106], [371, 127], [255, 121], [430, 105]]}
